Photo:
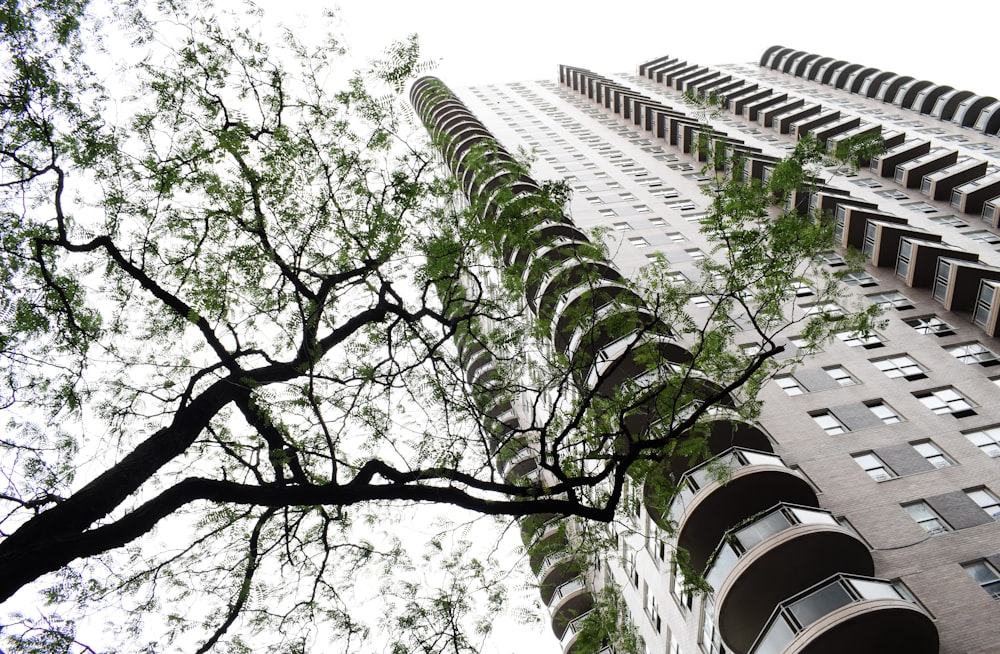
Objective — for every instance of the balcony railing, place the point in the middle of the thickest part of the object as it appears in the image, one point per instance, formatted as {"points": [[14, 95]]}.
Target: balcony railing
{"points": [[564, 590], [795, 614], [740, 539], [718, 469], [573, 627]]}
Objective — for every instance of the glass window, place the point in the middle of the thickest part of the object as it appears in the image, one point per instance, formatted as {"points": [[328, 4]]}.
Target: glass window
{"points": [[638, 242], [658, 222], [869, 341], [986, 439], [831, 259], [983, 236], [946, 400], [969, 353], [701, 301], [950, 221], [622, 227], [829, 423], [831, 309], [930, 325], [986, 576], [676, 277], [676, 237], [884, 412], [841, 376], [924, 516], [933, 454], [891, 300], [987, 501], [901, 365], [874, 466], [789, 384], [802, 289], [859, 279]]}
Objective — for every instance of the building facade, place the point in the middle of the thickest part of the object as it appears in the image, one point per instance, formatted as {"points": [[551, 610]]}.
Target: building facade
{"points": [[861, 511]]}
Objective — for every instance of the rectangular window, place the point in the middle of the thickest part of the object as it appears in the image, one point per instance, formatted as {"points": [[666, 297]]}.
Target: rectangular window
{"points": [[638, 242], [841, 376], [933, 454], [676, 237], [869, 341], [874, 466], [859, 279], [802, 289], [884, 412], [701, 301], [946, 400], [984, 574], [891, 300], [986, 439], [831, 309], [695, 254], [831, 259], [984, 236], [901, 365], [622, 227], [930, 325], [969, 353], [829, 423], [658, 222], [924, 516], [789, 384], [950, 221], [676, 277], [986, 500]]}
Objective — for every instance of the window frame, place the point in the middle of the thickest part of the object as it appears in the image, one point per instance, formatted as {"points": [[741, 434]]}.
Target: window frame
{"points": [[933, 454], [946, 404], [834, 427], [910, 370], [886, 473], [930, 517]]}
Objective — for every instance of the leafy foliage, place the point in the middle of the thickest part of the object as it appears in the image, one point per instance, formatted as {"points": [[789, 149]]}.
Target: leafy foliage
{"points": [[229, 298]]}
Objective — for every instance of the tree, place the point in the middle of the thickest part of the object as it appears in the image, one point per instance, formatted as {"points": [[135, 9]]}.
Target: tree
{"points": [[230, 297]]}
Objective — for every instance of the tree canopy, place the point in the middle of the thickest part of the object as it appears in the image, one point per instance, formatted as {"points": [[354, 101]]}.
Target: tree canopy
{"points": [[230, 291]]}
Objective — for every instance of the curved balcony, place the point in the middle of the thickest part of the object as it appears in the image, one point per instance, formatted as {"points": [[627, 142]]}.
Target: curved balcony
{"points": [[579, 271], [564, 571], [534, 526], [568, 631], [848, 613], [585, 305], [725, 431], [519, 463], [565, 593], [775, 556], [727, 489], [543, 235]]}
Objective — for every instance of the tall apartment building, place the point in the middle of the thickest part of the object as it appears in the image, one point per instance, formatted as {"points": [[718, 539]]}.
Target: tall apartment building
{"points": [[860, 513]]}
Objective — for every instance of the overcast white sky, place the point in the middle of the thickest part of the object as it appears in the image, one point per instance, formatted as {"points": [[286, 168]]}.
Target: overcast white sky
{"points": [[516, 40]]}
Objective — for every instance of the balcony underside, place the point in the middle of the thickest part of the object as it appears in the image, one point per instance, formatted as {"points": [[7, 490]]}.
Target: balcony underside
{"points": [[873, 627], [718, 507], [779, 567]]}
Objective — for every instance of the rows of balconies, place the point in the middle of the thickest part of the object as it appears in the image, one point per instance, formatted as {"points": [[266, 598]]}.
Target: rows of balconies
{"points": [[920, 259], [944, 102], [970, 185], [786, 576], [593, 318], [745, 519]]}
